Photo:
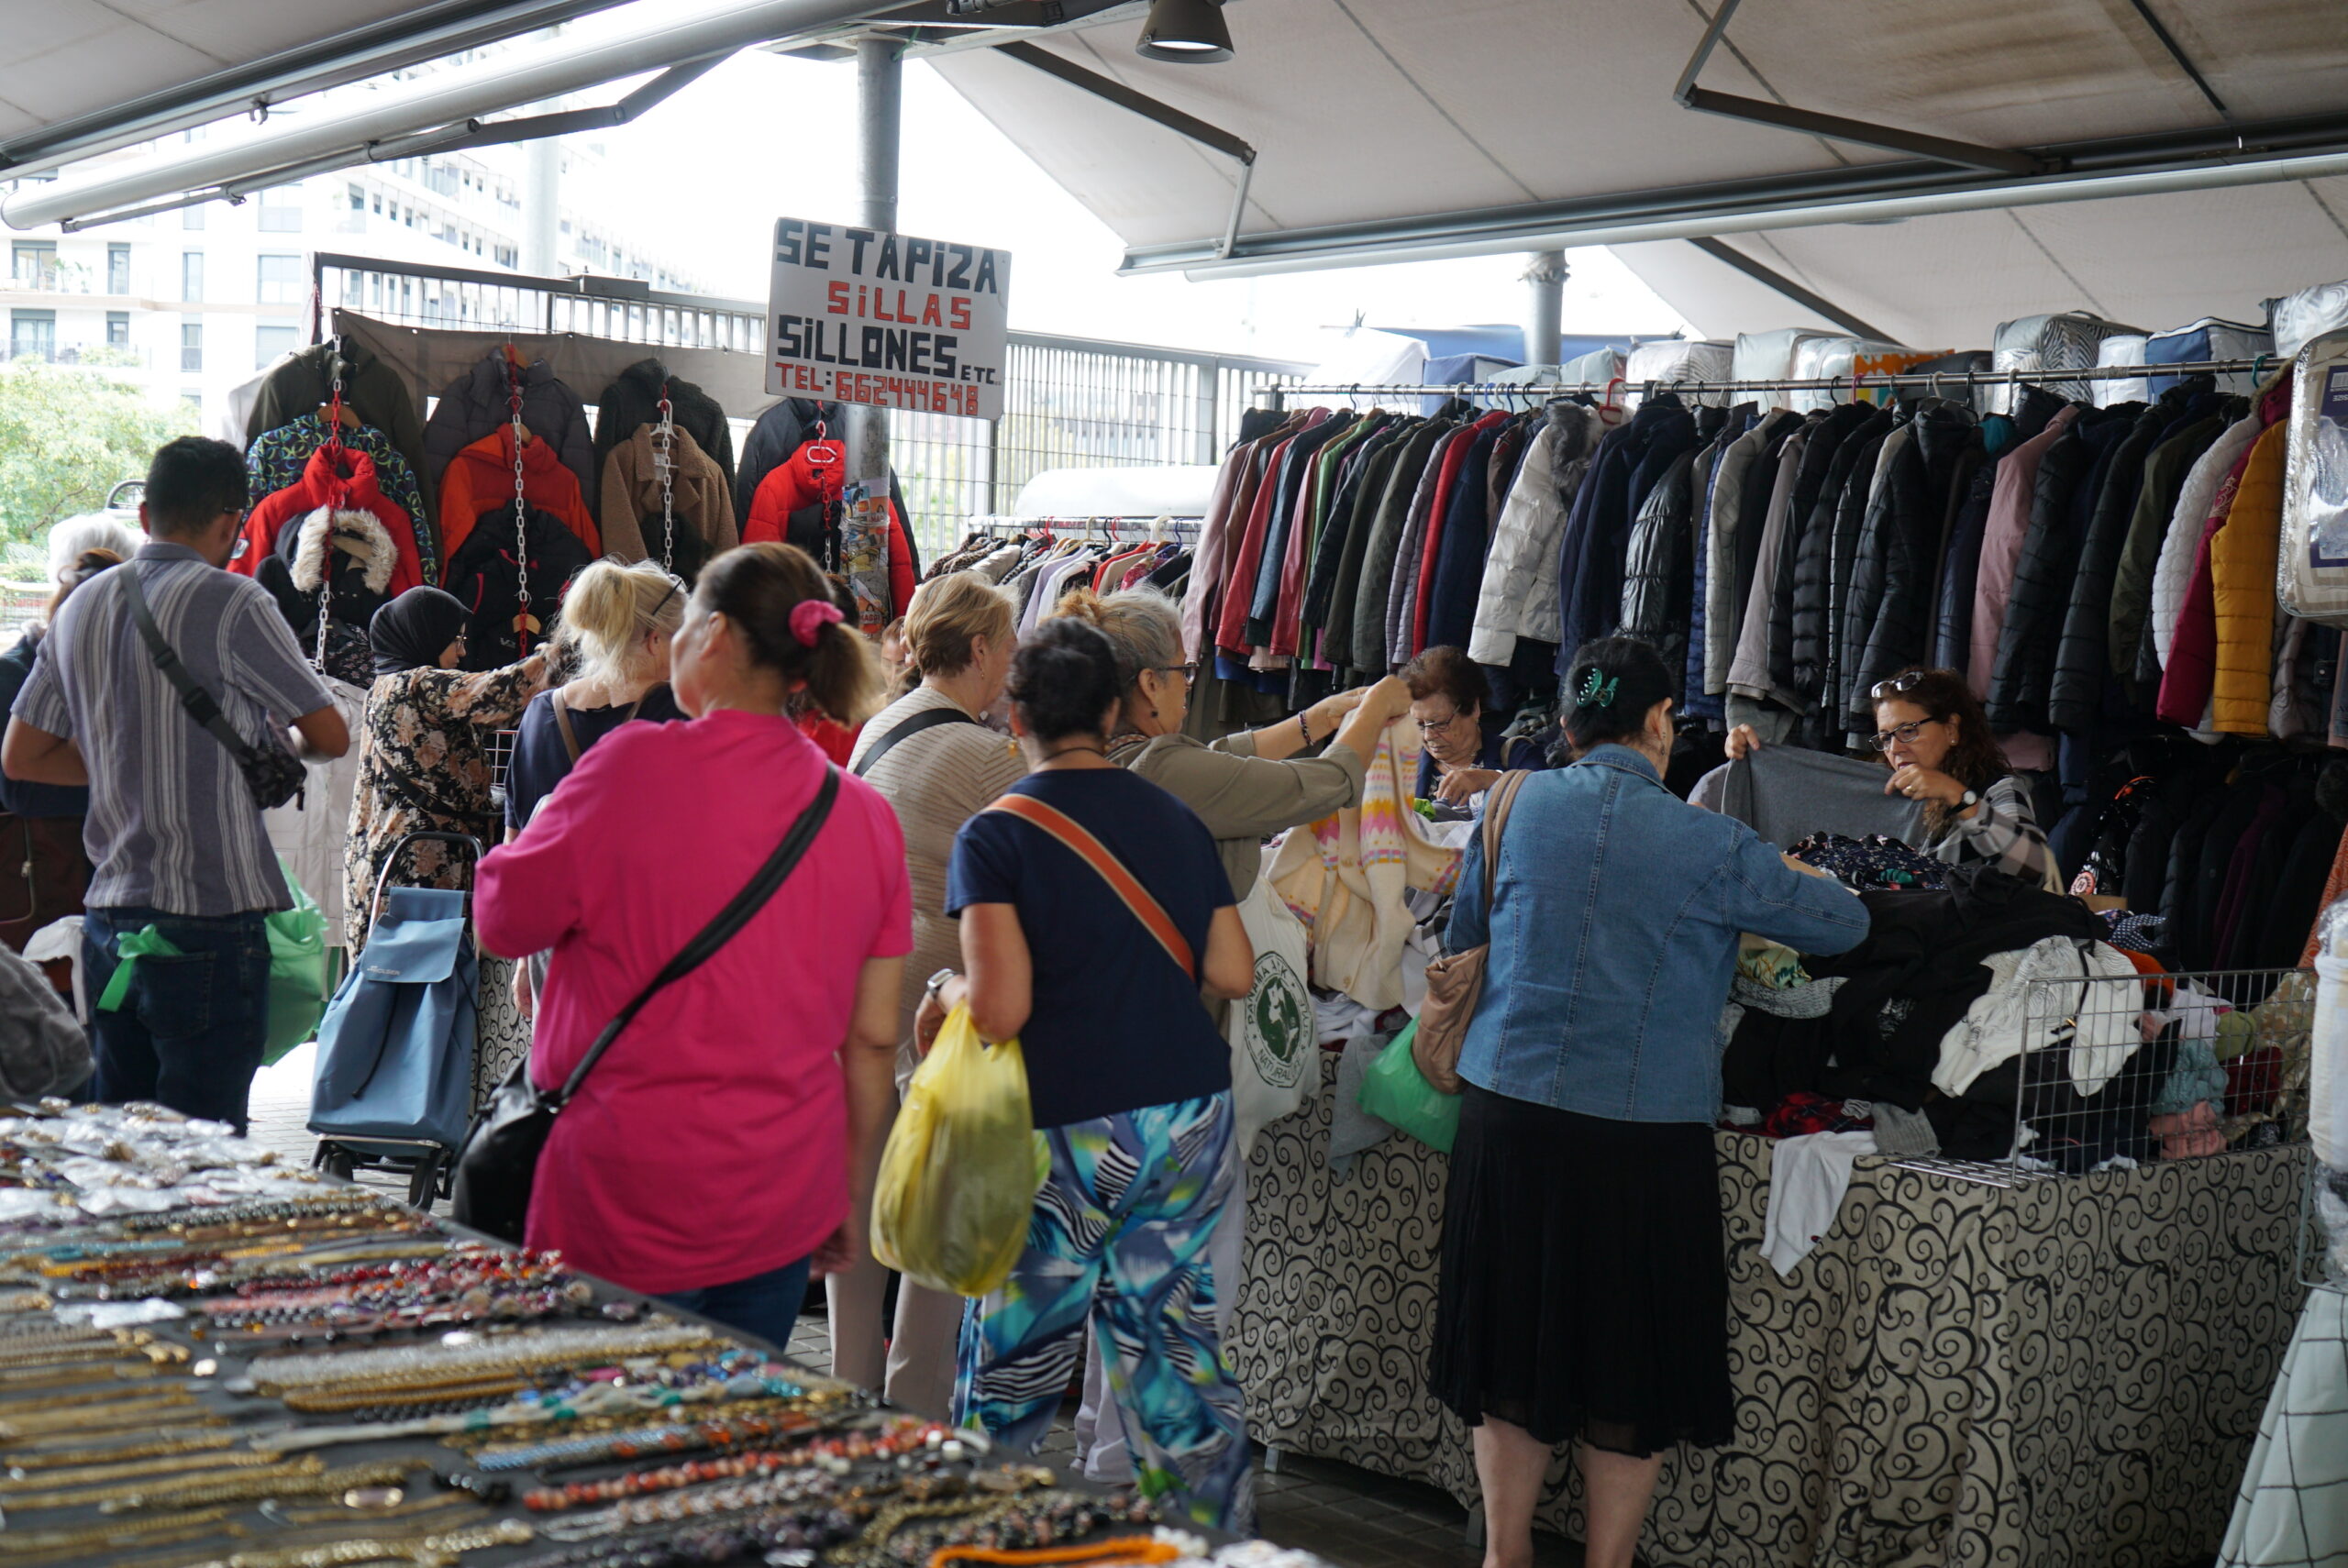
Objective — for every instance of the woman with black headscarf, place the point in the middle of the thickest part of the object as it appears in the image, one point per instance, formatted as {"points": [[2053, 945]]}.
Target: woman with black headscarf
{"points": [[424, 766]]}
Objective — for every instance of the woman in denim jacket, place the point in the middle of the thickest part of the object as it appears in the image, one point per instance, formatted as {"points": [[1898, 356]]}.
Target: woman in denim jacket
{"points": [[1584, 1291]]}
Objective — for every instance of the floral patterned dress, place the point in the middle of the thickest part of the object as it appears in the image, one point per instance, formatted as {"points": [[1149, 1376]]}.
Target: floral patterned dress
{"points": [[424, 766]]}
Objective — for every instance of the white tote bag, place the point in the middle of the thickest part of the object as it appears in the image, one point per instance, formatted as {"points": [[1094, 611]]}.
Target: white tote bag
{"points": [[1275, 1044]]}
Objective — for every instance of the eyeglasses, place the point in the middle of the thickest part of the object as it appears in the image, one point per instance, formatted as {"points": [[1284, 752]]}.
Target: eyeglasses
{"points": [[1429, 726], [1189, 672], [1905, 681], [1899, 735]]}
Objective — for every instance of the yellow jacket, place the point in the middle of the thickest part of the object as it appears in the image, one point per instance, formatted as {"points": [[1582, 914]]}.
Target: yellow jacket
{"points": [[2241, 578]]}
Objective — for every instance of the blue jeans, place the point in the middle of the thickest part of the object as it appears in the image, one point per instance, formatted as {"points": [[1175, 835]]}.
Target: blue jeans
{"points": [[765, 1305], [191, 1033]]}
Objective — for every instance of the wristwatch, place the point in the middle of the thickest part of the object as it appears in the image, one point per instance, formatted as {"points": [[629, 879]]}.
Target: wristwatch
{"points": [[1971, 800], [937, 984]]}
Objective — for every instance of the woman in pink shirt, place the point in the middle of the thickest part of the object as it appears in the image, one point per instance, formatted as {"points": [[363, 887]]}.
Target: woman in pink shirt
{"points": [[707, 1158]]}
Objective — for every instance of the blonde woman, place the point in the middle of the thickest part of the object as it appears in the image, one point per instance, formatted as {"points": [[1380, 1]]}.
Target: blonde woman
{"points": [[618, 620], [937, 764]]}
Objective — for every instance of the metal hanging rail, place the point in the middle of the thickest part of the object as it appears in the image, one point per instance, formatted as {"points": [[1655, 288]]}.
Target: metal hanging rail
{"points": [[1927, 380]]}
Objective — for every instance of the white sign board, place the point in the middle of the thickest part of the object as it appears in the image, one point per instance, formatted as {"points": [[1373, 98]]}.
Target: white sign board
{"points": [[855, 315]]}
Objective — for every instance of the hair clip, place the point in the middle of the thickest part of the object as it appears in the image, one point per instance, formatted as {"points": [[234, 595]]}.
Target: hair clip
{"points": [[1595, 691]]}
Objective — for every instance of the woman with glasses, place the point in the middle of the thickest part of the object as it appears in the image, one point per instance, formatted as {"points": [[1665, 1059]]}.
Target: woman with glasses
{"points": [[1933, 737], [1465, 751], [1245, 787]]}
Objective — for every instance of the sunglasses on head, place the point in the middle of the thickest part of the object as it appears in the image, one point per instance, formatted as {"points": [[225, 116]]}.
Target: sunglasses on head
{"points": [[1907, 681]]}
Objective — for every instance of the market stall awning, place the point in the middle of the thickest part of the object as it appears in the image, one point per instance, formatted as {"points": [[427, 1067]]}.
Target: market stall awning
{"points": [[1389, 129], [83, 76]]}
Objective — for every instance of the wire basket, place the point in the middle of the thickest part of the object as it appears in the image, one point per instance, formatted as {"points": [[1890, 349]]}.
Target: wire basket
{"points": [[2112, 1071], [499, 750]]}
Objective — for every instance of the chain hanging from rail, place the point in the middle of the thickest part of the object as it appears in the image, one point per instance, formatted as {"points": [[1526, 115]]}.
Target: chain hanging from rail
{"points": [[525, 624], [664, 463], [326, 555]]}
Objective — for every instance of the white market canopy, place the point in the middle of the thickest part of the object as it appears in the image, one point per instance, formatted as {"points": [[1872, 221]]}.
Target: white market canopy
{"points": [[2174, 158]]}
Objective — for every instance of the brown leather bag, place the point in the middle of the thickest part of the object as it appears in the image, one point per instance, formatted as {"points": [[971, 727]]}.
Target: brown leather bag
{"points": [[44, 873], [1457, 979]]}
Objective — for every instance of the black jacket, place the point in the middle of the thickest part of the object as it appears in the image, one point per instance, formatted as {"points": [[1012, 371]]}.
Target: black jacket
{"points": [[2075, 691], [1850, 517], [2049, 558], [1851, 466], [633, 402], [1658, 577]]}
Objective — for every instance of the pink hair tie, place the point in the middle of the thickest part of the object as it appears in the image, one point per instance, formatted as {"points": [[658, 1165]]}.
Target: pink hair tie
{"points": [[810, 616]]}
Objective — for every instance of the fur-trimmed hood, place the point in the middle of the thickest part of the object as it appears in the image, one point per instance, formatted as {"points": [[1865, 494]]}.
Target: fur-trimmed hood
{"points": [[377, 554]]}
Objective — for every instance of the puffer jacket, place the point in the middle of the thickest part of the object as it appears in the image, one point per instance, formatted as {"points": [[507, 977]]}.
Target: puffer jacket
{"points": [[1830, 433], [1629, 461], [1693, 699], [1960, 570], [2032, 631], [2235, 576], [1509, 599], [1850, 516], [2075, 696], [2190, 521], [1383, 542], [1892, 583], [1722, 544], [2013, 503], [633, 401], [1656, 581], [1336, 615], [779, 431], [2132, 584], [474, 405], [1851, 463], [1428, 508]]}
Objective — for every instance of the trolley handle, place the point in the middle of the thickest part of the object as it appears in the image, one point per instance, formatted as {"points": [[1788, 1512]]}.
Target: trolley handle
{"points": [[391, 862]]}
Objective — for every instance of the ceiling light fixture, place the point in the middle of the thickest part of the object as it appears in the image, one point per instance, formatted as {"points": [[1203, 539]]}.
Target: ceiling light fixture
{"points": [[1190, 31]]}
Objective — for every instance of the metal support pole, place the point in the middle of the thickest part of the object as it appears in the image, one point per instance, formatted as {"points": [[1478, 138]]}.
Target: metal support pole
{"points": [[880, 100], [1545, 306], [541, 208]]}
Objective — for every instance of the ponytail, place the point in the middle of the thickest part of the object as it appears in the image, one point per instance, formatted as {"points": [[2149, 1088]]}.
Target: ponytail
{"points": [[785, 609]]}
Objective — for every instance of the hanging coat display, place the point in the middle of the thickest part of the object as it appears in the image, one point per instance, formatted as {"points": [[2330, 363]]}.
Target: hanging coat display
{"points": [[697, 500], [342, 479], [777, 436], [277, 458], [480, 402], [481, 481], [633, 401], [304, 383], [513, 584]]}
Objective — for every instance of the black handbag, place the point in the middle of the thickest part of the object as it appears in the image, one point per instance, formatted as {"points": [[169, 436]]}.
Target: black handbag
{"points": [[273, 774], [499, 1163]]}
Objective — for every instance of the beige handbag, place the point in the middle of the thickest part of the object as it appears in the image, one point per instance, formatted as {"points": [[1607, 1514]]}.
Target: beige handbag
{"points": [[1457, 979]]}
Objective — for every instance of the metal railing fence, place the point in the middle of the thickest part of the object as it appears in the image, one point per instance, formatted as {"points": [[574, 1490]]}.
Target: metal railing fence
{"points": [[1068, 402]]}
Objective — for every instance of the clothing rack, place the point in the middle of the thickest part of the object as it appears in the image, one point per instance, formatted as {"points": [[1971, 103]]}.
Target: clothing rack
{"points": [[1928, 382], [1185, 529]]}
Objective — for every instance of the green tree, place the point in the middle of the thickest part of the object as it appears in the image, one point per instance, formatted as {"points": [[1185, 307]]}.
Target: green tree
{"points": [[67, 435]]}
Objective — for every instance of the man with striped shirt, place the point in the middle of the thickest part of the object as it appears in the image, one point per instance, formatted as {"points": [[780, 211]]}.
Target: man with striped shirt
{"points": [[185, 873]]}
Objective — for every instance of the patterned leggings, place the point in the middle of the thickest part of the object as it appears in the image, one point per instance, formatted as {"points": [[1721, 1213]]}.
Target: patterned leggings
{"points": [[1119, 1240]]}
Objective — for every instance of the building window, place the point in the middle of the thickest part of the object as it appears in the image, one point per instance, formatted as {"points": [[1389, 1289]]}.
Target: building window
{"points": [[194, 399], [118, 268], [270, 342], [192, 218], [280, 210], [378, 200], [33, 264], [32, 334], [191, 345], [358, 200], [192, 275], [281, 281], [117, 329]]}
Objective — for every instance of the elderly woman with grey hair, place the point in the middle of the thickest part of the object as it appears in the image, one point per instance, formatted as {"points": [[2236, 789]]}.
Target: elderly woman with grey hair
{"points": [[1245, 787]]}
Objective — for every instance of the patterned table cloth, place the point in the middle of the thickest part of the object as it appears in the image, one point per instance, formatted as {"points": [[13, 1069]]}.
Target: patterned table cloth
{"points": [[2056, 1372]]}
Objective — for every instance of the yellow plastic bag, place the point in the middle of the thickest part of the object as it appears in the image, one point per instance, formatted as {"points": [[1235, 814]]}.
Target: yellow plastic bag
{"points": [[958, 1179]]}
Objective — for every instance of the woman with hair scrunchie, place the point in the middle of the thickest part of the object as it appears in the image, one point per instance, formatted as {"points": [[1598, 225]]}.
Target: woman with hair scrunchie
{"points": [[719, 1151], [1583, 1295], [1934, 738]]}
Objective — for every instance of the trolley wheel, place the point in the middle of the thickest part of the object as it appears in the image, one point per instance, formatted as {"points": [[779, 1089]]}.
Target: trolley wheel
{"points": [[424, 1179], [336, 1160]]}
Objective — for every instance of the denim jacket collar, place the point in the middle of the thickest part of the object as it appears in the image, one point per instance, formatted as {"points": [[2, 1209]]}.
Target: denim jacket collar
{"points": [[1610, 755]]}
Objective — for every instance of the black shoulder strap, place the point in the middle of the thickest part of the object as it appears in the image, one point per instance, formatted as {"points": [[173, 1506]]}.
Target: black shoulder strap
{"points": [[201, 705], [928, 718], [718, 931]]}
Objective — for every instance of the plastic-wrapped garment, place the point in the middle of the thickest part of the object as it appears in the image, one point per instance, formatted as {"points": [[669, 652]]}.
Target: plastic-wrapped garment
{"points": [[2206, 340], [2121, 348], [2328, 1061], [2312, 576], [1769, 357], [1821, 357], [2298, 319], [2037, 346], [1682, 360]]}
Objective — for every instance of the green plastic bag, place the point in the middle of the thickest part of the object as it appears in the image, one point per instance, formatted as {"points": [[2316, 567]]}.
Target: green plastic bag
{"points": [[300, 977], [960, 1175], [1396, 1092]]}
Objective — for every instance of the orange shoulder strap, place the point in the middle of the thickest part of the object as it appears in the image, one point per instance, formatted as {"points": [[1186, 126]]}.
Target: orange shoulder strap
{"points": [[1073, 833]]}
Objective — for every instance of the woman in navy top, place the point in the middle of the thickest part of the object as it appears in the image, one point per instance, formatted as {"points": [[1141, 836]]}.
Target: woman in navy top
{"points": [[1584, 1293], [1129, 1078]]}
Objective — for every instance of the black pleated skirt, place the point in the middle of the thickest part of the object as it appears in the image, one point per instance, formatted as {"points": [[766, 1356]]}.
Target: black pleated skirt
{"points": [[1584, 1294]]}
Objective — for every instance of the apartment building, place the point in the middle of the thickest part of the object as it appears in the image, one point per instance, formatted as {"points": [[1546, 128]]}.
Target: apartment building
{"points": [[194, 301]]}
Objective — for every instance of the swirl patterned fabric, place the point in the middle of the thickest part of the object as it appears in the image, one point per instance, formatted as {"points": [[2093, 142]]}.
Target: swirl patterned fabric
{"points": [[2061, 1372]]}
